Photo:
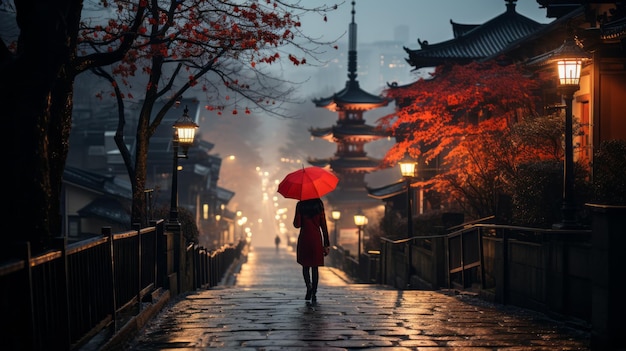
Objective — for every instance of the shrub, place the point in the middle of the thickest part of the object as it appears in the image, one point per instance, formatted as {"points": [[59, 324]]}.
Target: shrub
{"points": [[609, 173], [186, 219], [537, 193]]}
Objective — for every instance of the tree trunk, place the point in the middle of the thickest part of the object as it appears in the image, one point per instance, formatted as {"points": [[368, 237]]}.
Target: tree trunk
{"points": [[37, 155]]}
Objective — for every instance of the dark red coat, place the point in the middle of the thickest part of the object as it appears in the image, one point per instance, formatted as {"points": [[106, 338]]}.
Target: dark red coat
{"points": [[312, 239]]}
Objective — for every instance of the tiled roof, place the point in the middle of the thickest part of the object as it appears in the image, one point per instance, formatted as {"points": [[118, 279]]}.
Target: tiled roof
{"points": [[115, 190], [352, 97], [344, 131], [319, 162], [345, 197], [8, 27], [224, 195], [459, 29], [107, 184], [228, 215], [615, 28], [106, 208], [322, 133], [475, 43], [355, 164], [388, 191]]}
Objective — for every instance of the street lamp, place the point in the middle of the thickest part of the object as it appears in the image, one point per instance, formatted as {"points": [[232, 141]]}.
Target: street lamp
{"points": [[568, 58], [407, 167], [359, 221], [336, 215], [241, 222], [219, 240], [184, 132]]}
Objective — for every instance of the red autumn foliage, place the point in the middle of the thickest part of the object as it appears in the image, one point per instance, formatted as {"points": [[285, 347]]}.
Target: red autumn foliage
{"points": [[461, 126]]}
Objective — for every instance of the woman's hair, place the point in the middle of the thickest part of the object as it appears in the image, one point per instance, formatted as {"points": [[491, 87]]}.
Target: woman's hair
{"points": [[311, 207]]}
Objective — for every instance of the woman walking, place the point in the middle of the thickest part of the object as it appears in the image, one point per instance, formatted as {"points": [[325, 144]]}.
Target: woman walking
{"points": [[313, 242]]}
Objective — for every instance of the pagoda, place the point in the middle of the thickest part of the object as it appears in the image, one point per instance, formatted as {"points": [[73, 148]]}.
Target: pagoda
{"points": [[350, 162]]}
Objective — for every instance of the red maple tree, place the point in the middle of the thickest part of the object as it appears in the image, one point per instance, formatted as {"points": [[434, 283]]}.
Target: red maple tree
{"points": [[461, 127]]}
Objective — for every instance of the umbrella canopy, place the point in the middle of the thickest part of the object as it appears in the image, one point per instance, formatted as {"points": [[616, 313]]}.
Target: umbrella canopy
{"points": [[308, 183]]}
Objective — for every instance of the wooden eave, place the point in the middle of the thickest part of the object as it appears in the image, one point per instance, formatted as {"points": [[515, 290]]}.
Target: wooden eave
{"points": [[352, 97], [387, 191], [482, 41], [355, 164]]}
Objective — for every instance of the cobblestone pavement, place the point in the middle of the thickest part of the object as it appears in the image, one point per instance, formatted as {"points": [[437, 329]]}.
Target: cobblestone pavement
{"points": [[265, 310]]}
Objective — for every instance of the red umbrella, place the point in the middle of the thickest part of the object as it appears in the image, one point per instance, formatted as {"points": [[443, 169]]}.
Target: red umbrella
{"points": [[308, 183]]}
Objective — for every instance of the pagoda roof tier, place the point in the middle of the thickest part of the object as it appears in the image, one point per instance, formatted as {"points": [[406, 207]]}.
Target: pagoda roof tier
{"points": [[387, 191], [351, 196], [348, 132], [475, 42], [362, 164], [323, 133], [319, 162], [352, 97]]}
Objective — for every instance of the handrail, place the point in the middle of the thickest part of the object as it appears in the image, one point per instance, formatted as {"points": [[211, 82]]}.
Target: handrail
{"points": [[476, 221], [401, 241], [466, 228], [485, 257], [62, 298], [520, 228]]}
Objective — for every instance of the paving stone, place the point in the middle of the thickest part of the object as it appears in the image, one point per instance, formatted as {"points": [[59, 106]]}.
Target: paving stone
{"points": [[265, 310]]}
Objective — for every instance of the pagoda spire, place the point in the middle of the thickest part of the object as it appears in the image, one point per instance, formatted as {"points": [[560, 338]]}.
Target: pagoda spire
{"points": [[351, 133], [352, 97], [352, 47]]}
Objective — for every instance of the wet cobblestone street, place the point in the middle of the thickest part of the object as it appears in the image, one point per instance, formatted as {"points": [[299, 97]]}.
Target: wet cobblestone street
{"points": [[265, 310]]}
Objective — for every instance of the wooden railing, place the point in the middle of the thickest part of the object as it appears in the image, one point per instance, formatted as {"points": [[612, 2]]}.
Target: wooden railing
{"points": [[540, 269], [210, 266], [62, 298], [573, 274]]}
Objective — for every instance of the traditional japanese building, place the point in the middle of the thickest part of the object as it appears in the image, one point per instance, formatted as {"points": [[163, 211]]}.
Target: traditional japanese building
{"points": [[475, 42], [599, 27], [351, 134], [470, 42]]}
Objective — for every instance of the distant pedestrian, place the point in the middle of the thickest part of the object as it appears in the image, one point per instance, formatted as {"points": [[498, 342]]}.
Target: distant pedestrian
{"points": [[313, 242], [277, 241]]}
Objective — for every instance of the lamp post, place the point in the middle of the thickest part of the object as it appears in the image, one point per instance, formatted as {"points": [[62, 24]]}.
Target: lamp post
{"points": [[359, 221], [184, 132], [407, 167], [336, 215], [241, 222], [218, 229], [568, 58]]}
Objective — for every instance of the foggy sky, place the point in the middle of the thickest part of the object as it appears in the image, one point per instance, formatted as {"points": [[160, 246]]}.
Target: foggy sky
{"points": [[377, 21], [426, 19]]}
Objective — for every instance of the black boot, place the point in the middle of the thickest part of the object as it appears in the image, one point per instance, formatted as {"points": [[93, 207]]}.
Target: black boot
{"points": [[316, 277], [307, 281]]}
